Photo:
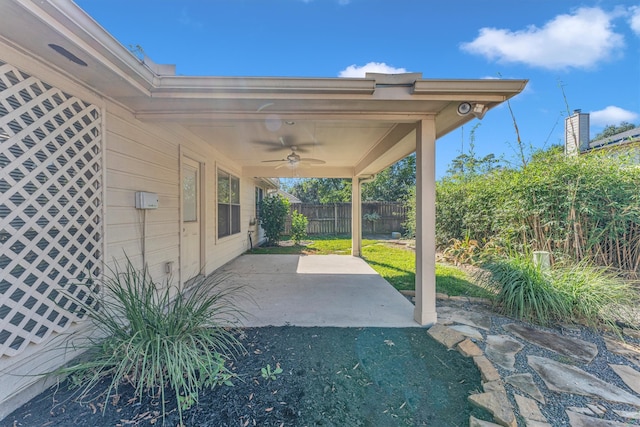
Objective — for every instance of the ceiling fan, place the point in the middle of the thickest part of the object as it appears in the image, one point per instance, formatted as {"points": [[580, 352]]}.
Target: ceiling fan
{"points": [[277, 146], [293, 159]]}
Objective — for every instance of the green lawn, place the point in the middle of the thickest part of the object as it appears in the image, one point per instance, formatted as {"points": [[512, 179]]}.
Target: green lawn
{"points": [[395, 263], [316, 245]]}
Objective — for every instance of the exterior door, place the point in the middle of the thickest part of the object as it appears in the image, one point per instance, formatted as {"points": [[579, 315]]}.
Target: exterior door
{"points": [[191, 219]]}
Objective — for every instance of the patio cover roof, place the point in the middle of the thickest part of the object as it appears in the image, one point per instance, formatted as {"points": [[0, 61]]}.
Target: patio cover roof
{"points": [[358, 126]]}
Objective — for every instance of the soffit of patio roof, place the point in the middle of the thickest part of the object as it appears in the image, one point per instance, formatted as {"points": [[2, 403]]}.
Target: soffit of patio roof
{"points": [[357, 126]]}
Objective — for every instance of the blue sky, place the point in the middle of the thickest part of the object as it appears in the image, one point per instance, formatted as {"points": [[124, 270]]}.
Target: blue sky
{"points": [[591, 48]]}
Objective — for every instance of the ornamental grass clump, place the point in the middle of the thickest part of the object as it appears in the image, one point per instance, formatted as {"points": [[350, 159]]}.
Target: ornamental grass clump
{"points": [[165, 341], [576, 293], [597, 296], [524, 291]]}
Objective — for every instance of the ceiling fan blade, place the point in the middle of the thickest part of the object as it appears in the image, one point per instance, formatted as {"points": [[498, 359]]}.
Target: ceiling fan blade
{"points": [[274, 146], [269, 145], [274, 161], [301, 146], [312, 161]]}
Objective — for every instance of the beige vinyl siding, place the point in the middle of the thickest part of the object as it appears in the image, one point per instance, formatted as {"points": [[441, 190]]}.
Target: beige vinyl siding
{"points": [[139, 159], [146, 157]]}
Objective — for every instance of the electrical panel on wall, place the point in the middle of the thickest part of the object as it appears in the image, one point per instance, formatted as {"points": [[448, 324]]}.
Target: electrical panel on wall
{"points": [[146, 200]]}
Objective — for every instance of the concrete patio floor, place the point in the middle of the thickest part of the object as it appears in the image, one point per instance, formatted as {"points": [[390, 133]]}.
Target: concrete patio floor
{"points": [[316, 290]]}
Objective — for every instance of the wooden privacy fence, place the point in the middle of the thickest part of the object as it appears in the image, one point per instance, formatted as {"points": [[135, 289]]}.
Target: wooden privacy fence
{"points": [[335, 218]]}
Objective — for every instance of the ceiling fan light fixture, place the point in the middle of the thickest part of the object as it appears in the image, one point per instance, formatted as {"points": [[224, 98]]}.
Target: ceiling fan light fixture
{"points": [[293, 158]]}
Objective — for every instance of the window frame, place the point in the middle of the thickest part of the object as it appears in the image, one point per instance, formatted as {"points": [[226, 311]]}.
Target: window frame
{"points": [[229, 198], [259, 195]]}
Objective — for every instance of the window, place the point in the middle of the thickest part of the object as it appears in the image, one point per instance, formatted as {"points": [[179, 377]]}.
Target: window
{"points": [[228, 204], [190, 194]]}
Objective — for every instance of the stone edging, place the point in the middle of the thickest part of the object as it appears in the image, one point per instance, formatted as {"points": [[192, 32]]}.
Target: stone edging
{"points": [[458, 330]]}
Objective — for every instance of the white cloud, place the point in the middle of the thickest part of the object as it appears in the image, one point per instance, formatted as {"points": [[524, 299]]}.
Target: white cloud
{"points": [[612, 115], [634, 20], [578, 40], [371, 67]]}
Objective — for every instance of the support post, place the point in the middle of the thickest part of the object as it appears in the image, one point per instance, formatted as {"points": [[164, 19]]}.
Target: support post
{"points": [[425, 308], [356, 218]]}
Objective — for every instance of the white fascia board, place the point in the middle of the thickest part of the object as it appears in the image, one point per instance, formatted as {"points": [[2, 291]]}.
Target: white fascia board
{"points": [[81, 29], [482, 87], [170, 85]]}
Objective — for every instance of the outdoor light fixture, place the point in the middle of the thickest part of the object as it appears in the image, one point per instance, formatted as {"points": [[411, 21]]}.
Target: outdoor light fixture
{"points": [[464, 108], [479, 110]]}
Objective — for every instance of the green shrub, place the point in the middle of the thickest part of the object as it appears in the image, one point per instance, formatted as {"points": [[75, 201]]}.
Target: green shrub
{"points": [[299, 224], [465, 251], [155, 336], [576, 207], [524, 291], [273, 215], [409, 224]]}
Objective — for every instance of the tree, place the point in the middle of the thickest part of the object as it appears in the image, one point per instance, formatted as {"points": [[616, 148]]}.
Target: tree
{"points": [[394, 183], [469, 164], [321, 190], [390, 185], [611, 130], [273, 214]]}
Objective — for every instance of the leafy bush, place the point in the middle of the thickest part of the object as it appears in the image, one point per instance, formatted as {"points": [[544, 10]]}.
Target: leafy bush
{"points": [[299, 224], [273, 215], [156, 336], [576, 207], [465, 251], [409, 224]]}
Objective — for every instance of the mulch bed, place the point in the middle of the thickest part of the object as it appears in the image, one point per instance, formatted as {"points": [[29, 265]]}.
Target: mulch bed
{"points": [[331, 377]]}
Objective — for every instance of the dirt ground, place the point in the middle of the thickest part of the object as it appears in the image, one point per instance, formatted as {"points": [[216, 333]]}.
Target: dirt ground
{"points": [[331, 377]]}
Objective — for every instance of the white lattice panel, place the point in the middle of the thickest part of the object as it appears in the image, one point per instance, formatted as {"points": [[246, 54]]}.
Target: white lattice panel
{"points": [[50, 207]]}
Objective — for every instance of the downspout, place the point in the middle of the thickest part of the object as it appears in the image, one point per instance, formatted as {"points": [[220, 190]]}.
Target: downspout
{"points": [[368, 180]]}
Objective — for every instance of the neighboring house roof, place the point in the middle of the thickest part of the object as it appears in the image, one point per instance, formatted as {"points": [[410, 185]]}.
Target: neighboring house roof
{"points": [[618, 139], [290, 197], [270, 183]]}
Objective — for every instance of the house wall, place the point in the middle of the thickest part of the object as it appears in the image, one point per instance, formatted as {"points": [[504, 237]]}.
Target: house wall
{"points": [[136, 156]]}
